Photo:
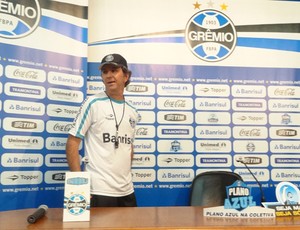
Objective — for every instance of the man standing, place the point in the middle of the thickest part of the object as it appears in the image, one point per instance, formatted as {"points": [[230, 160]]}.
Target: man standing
{"points": [[106, 122]]}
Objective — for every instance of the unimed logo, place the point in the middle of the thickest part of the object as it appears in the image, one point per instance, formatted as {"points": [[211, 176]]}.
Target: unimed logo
{"points": [[19, 17], [210, 35]]}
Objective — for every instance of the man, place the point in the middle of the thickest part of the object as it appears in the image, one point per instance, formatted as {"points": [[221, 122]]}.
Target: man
{"points": [[106, 122]]}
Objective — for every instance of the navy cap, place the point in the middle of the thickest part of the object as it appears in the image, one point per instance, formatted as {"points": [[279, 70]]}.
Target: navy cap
{"points": [[113, 59]]}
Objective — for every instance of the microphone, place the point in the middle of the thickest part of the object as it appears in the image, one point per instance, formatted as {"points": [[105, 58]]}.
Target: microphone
{"points": [[262, 197], [38, 214]]}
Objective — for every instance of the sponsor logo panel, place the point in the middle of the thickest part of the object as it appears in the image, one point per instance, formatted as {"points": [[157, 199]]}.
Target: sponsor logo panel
{"points": [[173, 89], [147, 117], [23, 125], [284, 118], [250, 132], [168, 131], [1, 70], [218, 118], [262, 175], [135, 88], [22, 90], [57, 143], [213, 160], [22, 160], [175, 103], [71, 80], [250, 146], [250, 91], [143, 175], [58, 126], [67, 111], [95, 87], [198, 171], [213, 132], [175, 146], [215, 146], [285, 146], [22, 142], [204, 104], [143, 160], [55, 177], [25, 74], [175, 117], [284, 105], [260, 160], [284, 91], [145, 131], [285, 132], [171, 160], [142, 102], [285, 175], [249, 118], [21, 177], [144, 146], [211, 90], [286, 160], [24, 107], [175, 175], [56, 160], [249, 105], [66, 95]]}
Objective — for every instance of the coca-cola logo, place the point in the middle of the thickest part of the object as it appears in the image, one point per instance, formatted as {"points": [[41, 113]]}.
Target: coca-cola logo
{"points": [[175, 104], [142, 132], [250, 133], [284, 92], [62, 128], [26, 74]]}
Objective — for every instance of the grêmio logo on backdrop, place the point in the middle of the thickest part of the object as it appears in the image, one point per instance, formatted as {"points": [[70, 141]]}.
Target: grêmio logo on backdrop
{"points": [[18, 18], [210, 35]]}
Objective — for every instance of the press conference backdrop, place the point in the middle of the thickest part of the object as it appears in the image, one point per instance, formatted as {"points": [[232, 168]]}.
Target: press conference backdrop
{"points": [[43, 68], [214, 82]]}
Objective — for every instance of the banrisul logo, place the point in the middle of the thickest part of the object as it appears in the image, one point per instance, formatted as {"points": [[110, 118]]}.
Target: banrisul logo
{"points": [[18, 18], [210, 35]]}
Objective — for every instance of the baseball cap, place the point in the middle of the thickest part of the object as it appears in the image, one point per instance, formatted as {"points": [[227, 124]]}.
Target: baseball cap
{"points": [[114, 59]]}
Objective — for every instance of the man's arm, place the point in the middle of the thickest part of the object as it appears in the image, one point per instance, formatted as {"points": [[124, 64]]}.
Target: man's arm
{"points": [[72, 152], [132, 152]]}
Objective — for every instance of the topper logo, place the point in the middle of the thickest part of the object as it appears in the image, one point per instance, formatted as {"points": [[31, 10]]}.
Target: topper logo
{"points": [[18, 18], [210, 35]]}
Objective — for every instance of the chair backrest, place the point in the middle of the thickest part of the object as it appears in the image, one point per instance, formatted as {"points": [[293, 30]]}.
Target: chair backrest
{"points": [[209, 188]]}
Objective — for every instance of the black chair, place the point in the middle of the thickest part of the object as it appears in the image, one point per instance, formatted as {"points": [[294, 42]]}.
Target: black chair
{"points": [[209, 188]]}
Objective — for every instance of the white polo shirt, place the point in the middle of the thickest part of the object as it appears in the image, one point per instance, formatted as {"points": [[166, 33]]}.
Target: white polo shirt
{"points": [[110, 167]]}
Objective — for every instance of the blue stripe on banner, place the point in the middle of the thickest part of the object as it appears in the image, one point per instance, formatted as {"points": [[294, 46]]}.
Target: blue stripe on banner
{"points": [[143, 40], [270, 43], [266, 43], [64, 28]]}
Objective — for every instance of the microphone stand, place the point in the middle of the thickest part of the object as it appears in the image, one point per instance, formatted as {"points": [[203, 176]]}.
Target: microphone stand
{"points": [[262, 199]]}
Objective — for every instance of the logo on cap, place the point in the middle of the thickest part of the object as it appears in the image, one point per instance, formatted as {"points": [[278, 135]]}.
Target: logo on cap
{"points": [[109, 57]]}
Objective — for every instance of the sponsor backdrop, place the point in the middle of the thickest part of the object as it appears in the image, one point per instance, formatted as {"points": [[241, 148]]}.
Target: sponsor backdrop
{"points": [[43, 68], [216, 82]]}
